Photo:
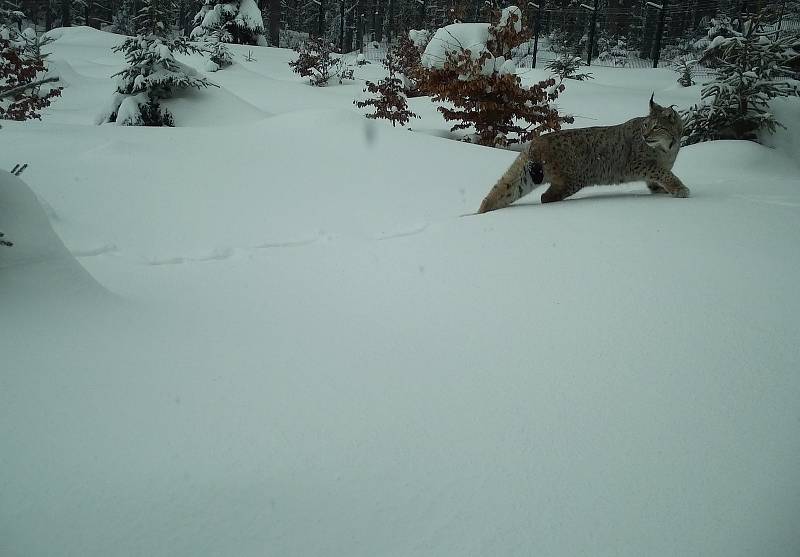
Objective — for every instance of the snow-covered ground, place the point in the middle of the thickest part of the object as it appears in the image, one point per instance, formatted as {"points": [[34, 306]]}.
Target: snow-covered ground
{"points": [[270, 331]]}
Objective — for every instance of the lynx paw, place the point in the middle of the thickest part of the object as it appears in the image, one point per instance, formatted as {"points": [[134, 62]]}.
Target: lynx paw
{"points": [[682, 192]]}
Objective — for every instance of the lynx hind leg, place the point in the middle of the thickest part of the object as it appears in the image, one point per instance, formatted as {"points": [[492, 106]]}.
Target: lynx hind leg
{"points": [[667, 180], [518, 181], [655, 187]]}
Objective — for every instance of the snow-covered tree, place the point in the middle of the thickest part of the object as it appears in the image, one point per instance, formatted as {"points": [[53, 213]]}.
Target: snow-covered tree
{"points": [[317, 62], [481, 84], [123, 19], [24, 89], [390, 101], [751, 71], [566, 66], [23, 93], [240, 19], [216, 46], [685, 66], [10, 20], [152, 72]]}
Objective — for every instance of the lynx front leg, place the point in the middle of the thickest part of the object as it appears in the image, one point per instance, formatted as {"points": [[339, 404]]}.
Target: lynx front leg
{"points": [[655, 188], [519, 180], [667, 180], [559, 191]]}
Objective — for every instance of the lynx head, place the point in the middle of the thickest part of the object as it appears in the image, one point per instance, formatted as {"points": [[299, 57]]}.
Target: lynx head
{"points": [[663, 127]]}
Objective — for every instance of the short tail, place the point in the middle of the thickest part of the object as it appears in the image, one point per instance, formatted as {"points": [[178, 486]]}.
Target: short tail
{"points": [[522, 177]]}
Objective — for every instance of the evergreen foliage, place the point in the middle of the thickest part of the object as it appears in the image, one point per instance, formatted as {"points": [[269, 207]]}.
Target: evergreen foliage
{"points": [[123, 19], [153, 17], [152, 72], [240, 20], [685, 67], [751, 71], [566, 66], [216, 46]]}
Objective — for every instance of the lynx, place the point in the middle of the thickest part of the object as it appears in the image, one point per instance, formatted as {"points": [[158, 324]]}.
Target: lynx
{"points": [[640, 149]]}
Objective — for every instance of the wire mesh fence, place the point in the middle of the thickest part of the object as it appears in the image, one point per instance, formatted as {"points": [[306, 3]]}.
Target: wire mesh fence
{"points": [[615, 33]]}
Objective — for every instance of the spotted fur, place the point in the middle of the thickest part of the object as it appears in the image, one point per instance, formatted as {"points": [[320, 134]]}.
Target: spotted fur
{"points": [[641, 149]]}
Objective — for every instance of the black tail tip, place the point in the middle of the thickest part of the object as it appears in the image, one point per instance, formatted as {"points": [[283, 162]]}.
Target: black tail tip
{"points": [[536, 171]]}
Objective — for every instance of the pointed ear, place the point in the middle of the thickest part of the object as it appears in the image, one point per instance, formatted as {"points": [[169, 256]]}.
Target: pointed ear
{"points": [[654, 106]]}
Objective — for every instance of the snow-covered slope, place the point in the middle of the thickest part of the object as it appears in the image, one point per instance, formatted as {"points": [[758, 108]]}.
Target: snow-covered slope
{"points": [[310, 351], [37, 270]]}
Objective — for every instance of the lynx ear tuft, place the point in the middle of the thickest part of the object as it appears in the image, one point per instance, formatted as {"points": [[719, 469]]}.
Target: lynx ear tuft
{"points": [[653, 105]]}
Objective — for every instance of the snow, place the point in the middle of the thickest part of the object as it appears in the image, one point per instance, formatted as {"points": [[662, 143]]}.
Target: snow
{"points": [[249, 15], [458, 37], [508, 67], [505, 17], [420, 37], [454, 38], [271, 331]]}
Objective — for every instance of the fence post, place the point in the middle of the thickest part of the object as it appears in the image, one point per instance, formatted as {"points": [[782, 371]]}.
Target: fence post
{"points": [[590, 46], [341, 26], [536, 29], [373, 30], [659, 31], [360, 32]]}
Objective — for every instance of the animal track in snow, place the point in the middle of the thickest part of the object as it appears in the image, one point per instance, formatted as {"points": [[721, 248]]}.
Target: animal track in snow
{"points": [[402, 232], [779, 200], [94, 251], [286, 244], [219, 254]]}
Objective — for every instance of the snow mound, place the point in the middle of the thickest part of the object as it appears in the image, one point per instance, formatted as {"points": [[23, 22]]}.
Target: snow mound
{"points": [[84, 36], [420, 37], [59, 67], [212, 107], [452, 39], [38, 266]]}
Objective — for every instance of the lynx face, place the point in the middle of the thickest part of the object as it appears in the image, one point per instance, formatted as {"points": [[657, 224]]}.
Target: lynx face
{"points": [[663, 127]]}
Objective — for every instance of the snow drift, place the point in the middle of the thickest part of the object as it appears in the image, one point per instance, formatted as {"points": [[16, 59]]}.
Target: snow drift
{"points": [[37, 269]]}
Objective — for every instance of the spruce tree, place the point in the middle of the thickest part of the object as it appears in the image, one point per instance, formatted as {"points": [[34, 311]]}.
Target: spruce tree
{"points": [[152, 72], [219, 54], [751, 71], [240, 19]]}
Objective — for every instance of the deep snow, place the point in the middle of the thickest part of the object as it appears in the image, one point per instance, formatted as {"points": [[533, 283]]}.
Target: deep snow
{"points": [[290, 342]]}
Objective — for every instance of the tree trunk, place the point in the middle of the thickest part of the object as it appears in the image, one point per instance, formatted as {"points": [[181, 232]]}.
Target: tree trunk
{"points": [[66, 13], [275, 22], [48, 16], [348, 36]]}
